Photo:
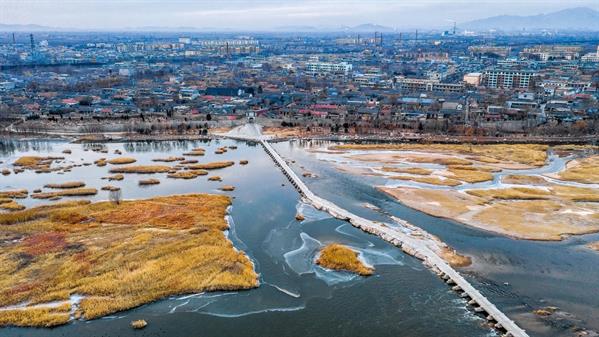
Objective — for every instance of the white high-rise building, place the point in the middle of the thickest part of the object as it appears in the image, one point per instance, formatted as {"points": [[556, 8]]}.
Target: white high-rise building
{"points": [[324, 68], [591, 57]]}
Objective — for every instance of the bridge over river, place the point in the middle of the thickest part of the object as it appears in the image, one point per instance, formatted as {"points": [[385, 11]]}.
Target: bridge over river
{"points": [[408, 244]]}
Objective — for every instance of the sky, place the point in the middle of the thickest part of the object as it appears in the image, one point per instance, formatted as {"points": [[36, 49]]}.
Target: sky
{"points": [[267, 14]]}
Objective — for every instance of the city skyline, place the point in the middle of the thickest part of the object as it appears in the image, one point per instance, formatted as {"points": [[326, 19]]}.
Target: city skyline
{"points": [[264, 14]]}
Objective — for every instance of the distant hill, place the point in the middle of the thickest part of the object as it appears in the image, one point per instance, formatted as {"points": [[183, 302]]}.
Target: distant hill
{"points": [[25, 28], [368, 28], [580, 19]]}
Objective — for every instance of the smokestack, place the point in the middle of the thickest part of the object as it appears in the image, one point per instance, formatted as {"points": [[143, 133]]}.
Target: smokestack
{"points": [[32, 42]]}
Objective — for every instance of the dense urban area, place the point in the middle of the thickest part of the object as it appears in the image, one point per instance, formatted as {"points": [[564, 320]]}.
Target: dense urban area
{"points": [[382, 84]]}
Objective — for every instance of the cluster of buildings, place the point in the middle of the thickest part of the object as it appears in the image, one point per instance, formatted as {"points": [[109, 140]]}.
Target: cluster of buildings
{"points": [[329, 83]]}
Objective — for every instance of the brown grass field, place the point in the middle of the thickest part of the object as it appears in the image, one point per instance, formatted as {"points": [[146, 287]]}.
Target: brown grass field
{"points": [[141, 169], [339, 257], [116, 256]]}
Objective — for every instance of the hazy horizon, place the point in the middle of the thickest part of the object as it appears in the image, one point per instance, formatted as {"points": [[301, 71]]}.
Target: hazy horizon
{"points": [[265, 14]]}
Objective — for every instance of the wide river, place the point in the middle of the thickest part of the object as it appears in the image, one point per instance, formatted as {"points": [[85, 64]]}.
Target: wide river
{"points": [[297, 298]]}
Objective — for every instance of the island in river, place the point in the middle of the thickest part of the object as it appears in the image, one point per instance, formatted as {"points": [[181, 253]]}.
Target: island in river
{"points": [[85, 260], [508, 189]]}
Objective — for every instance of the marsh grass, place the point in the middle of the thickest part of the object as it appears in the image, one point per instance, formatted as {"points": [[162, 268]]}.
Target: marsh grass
{"points": [[228, 188], [151, 181], [117, 256], [139, 324], [215, 178], [469, 176], [211, 166], [14, 194], [122, 161], [65, 193], [36, 162], [407, 170], [429, 180], [116, 177], [586, 171], [514, 193], [67, 185], [517, 179], [168, 159], [141, 169], [527, 154], [339, 257], [244, 162], [11, 205], [190, 174]]}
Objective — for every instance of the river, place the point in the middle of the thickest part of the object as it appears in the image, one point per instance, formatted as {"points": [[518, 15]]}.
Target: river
{"points": [[295, 297]]}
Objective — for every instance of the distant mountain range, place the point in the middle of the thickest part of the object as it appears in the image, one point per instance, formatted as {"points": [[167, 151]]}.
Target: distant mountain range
{"points": [[580, 19], [363, 28], [26, 28]]}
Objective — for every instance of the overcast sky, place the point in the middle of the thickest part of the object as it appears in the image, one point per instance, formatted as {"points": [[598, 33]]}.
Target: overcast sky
{"points": [[266, 14]]}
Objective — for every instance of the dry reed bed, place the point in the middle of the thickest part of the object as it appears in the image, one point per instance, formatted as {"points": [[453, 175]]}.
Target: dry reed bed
{"points": [[14, 194], [66, 185], [75, 192], [584, 171], [141, 169], [211, 166], [429, 180], [528, 154], [116, 256], [122, 161], [147, 182], [547, 213], [36, 162], [10, 205], [169, 159], [517, 179], [407, 170], [189, 174], [339, 257]]}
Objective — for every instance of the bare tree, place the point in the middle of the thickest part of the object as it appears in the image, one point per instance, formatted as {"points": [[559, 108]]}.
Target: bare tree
{"points": [[115, 196]]}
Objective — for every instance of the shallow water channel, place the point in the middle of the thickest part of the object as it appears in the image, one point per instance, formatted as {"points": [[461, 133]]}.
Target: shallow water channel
{"points": [[518, 276], [296, 297]]}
